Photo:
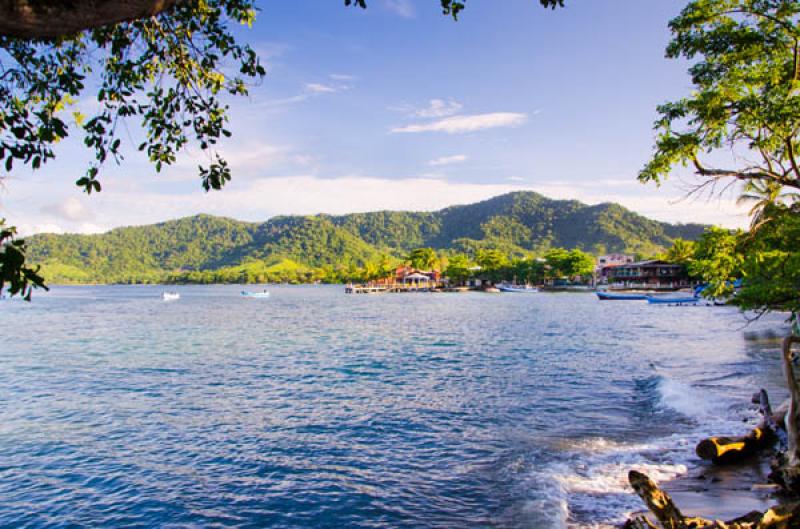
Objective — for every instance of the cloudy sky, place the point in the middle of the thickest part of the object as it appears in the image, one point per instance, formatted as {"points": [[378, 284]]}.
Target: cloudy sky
{"points": [[398, 107]]}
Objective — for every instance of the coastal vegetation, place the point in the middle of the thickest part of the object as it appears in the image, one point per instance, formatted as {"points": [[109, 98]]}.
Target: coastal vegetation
{"points": [[503, 235], [746, 76], [740, 128]]}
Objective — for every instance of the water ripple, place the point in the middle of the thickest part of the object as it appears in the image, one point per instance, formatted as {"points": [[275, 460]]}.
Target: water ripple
{"points": [[315, 409]]}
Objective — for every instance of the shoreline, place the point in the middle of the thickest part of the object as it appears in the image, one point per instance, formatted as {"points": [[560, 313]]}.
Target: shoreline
{"points": [[721, 491]]}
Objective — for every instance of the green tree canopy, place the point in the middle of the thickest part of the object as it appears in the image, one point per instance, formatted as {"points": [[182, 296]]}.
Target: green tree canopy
{"points": [[745, 70], [557, 260], [718, 260], [167, 72], [766, 261], [746, 76], [770, 263], [423, 258], [579, 263], [458, 268], [568, 263], [681, 252], [491, 259], [20, 279]]}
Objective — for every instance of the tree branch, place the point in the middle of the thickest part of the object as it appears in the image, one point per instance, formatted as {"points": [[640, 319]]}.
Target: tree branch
{"points": [[792, 160], [46, 19], [745, 174]]}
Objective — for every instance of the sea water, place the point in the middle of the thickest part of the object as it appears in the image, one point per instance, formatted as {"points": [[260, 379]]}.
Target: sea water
{"points": [[318, 409]]}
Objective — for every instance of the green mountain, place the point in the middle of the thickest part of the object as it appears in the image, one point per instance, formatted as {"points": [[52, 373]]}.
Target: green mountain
{"points": [[203, 248]]}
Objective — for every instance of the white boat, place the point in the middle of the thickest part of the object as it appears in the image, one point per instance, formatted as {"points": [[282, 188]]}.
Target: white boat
{"points": [[170, 296], [524, 289], [673, 299], [262, 295]]}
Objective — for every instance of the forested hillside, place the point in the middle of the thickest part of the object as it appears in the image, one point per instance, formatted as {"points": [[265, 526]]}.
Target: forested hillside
{"points": [[324, 247]]}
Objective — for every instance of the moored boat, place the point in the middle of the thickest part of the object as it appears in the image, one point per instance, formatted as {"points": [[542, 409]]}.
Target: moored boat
{"points": [[622, 296], [170, 296], [673, 300], [248, 294], [523, 289]]}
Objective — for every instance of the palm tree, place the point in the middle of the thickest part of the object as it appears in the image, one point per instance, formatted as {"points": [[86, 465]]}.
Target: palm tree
{"points": [[681, 251], [763, 195]]}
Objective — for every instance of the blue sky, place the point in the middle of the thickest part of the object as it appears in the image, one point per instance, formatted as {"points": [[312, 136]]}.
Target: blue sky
{"points": [[398, 107]]}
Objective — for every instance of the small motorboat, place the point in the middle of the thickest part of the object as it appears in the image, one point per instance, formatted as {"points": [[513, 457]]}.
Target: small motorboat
{"points": [[522, 289], [170, 296], [606, 296], [260, 295], [672, 299]]}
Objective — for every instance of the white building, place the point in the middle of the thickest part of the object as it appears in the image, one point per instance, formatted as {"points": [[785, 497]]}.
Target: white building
{"points": [[604, 262]]}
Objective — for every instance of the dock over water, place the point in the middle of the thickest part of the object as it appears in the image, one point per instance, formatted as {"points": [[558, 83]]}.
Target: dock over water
{"points": [[352, 288]]}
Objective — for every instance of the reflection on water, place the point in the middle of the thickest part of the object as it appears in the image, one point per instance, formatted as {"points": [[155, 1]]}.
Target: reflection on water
{"points": [[316, 409]]}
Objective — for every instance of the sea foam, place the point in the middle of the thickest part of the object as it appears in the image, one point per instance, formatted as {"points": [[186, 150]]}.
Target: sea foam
{"points": [[591, 476]]}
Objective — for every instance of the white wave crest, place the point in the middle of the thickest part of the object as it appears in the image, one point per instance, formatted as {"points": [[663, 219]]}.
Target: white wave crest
{"points": [[686, 399]]}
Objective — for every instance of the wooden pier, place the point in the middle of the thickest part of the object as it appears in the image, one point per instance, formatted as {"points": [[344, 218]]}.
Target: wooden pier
{"points": [[352, 288]]}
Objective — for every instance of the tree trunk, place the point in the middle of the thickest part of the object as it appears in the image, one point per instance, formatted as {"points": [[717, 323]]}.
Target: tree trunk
{"points": [[42, 19], [773, 420], [791, 466]]}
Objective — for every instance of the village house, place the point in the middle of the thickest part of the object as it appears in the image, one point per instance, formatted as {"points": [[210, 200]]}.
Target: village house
{"points": [[404, 273], [648, 274]]}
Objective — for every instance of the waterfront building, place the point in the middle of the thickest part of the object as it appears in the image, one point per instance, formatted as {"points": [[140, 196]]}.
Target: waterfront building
{"points": [[652, 274]]}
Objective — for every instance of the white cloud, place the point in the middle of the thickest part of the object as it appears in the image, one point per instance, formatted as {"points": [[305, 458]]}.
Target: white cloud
{"points": [[285, 101], [244, 158], [50, 227], [29, 229], [466, 123], [309, 90], [439, 108], [436, 108], [448, 160], [319, 88], [70, 209], [342, 77], [515, 179], [432, 175], [403, 8]]}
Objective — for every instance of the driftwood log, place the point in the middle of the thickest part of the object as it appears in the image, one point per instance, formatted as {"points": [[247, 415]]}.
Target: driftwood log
{"points": [[723, 450], [670, 517]]}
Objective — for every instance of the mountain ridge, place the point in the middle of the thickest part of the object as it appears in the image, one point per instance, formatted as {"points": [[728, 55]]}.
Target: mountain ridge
{"points": [[520, 224]]}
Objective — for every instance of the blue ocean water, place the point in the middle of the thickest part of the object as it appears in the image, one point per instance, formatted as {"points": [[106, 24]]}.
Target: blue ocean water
{"points": [[318, 409]]}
